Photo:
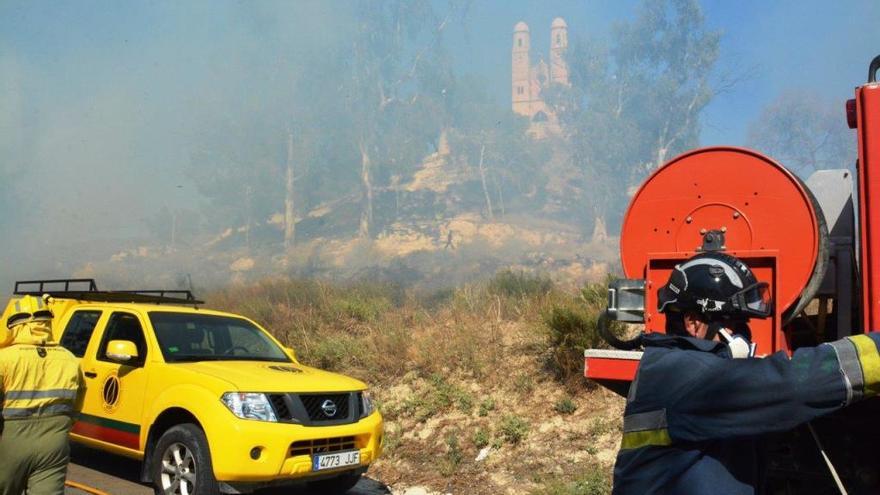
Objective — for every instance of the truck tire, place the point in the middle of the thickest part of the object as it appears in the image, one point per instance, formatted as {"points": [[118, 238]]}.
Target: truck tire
{"points": [[335, 486], [182, 463]]}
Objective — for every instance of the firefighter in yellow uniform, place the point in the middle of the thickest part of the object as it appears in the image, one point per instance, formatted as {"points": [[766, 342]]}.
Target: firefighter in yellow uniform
{"points": [[39, 387]]}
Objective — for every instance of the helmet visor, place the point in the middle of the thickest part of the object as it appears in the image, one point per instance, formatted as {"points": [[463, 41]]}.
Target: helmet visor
{"points": [[669, 296], [754, 300], [42, 315], [16, 319]]}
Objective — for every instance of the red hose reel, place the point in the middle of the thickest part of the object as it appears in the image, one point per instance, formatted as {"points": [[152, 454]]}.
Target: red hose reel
{"points": [[736, 200]]}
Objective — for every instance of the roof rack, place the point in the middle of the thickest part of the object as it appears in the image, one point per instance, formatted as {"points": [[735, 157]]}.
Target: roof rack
{"points": [[85, 289]]}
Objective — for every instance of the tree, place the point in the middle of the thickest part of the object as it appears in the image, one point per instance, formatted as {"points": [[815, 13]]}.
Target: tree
{"points": [[173, 228], [664, 62], [398, 72], [238, 166], [637, 103], [289, 196], [804, 132], [492, 141]]}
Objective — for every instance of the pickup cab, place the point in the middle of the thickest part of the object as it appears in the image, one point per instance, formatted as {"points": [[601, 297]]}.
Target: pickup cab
{"points": [[209, 401]]}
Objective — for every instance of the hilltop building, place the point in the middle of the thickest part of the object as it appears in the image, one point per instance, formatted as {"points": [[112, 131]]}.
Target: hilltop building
{"points": [[529, 81]]}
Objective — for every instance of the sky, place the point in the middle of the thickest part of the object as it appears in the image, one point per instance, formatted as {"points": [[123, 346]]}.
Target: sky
{"points": [[820, 47], [105, 102]]}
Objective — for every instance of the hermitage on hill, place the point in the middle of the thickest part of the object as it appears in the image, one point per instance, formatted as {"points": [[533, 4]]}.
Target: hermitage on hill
{"points": [[529, 81]]}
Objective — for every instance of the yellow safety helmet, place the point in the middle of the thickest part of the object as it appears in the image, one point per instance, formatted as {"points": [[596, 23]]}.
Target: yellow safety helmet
{"points": [[27, 309]]}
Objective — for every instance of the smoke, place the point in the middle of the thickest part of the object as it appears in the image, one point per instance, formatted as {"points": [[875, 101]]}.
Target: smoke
{"points": [[101, 107], [108, 110]]}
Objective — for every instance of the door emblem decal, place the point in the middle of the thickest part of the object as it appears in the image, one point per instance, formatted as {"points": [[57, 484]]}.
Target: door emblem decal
{"points": [[111, 392]]}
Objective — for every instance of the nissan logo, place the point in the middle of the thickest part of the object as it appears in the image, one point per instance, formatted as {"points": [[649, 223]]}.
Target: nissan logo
{"points": [[329, 408]]}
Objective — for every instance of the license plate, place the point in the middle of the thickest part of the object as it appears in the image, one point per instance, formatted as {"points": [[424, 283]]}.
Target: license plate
{"points": [[336, 460]]}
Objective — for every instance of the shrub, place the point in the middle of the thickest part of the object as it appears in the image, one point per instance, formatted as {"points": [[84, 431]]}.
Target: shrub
{"points": [[513, 429], [334, 352], [521, 284], [362, 308], [464, 402], [454, 456], [488, 404], [391, 441], [599, 427], [593, 482], [565, 406], [524, 383], [481, 438], [573, 326], [439, 397]]}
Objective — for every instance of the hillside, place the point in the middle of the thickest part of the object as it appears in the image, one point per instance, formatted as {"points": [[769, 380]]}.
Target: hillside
{"points": [[480, 386]]}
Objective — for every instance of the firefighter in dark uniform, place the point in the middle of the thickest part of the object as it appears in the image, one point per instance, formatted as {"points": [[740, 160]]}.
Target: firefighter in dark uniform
{"points": [[695, 410], [39, 385]]}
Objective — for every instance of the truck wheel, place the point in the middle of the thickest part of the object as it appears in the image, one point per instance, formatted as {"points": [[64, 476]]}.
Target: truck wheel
{"points": [[333, 486], [182, 463]]}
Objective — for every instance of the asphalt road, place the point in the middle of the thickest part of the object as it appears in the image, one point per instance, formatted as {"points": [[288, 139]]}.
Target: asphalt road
{"points": [[119, 476]]}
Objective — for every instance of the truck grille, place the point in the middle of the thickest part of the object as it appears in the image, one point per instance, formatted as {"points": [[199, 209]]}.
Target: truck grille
{"points": [[337, 404], [315, 410], [322, 446], [282, 412]]}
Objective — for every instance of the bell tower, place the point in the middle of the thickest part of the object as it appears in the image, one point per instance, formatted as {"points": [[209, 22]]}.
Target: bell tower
{"points": [[558, 47], [520, 69]]}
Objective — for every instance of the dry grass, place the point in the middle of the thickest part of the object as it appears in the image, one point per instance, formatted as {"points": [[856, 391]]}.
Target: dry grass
{"points": [[381, 332], [492, 365]]}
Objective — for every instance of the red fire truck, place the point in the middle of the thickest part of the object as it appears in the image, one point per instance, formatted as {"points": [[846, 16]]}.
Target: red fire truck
{"points": [[802, 237]]}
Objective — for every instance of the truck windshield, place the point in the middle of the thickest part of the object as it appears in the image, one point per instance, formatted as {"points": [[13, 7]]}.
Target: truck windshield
{"points": [[187, 337]]}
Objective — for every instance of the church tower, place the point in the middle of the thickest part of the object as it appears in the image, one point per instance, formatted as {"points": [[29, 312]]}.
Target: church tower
{"points": [[521, 69], [558, 46]]}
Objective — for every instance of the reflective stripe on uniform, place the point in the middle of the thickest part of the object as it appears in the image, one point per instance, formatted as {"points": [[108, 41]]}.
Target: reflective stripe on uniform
{"points": [[646, 438], [851, 368], [39, 394], [645, 429], [49, 410], [870, 361], [651, 420], [37, 384]]}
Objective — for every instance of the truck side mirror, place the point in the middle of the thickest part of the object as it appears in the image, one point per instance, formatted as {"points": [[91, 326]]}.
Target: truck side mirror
{"points": [[291, 352], [121, 351]]}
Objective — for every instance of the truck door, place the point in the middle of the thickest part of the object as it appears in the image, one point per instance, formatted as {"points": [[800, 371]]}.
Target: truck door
{"points": [[113, 400]]}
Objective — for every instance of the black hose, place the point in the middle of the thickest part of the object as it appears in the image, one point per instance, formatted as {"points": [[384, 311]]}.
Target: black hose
{"points": [[607, 335], [823, 253], [873, 68]]}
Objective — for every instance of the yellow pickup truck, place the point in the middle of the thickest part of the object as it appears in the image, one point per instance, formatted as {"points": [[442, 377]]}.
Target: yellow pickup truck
{"points": [[209, 401]]}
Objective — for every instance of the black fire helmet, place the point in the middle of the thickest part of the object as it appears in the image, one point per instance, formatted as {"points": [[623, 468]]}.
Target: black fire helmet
{"points": [[716, 285]]}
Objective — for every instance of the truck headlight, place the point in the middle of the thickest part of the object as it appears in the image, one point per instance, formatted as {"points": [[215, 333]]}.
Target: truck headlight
{"points": [[366, 404], [247, 405]]}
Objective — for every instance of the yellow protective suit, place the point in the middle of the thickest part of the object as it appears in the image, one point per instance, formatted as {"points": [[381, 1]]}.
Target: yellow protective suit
{"points": [[39, 386]]}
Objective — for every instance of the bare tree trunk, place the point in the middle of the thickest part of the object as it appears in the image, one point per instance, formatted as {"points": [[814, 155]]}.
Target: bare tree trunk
{"points": [[600, 233], [289, 220], [483, 181], [661, 156], [247, 229], [664, 142], [173, 227], [366, 182], [500, 195], [395, 184], [662, 147]]}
